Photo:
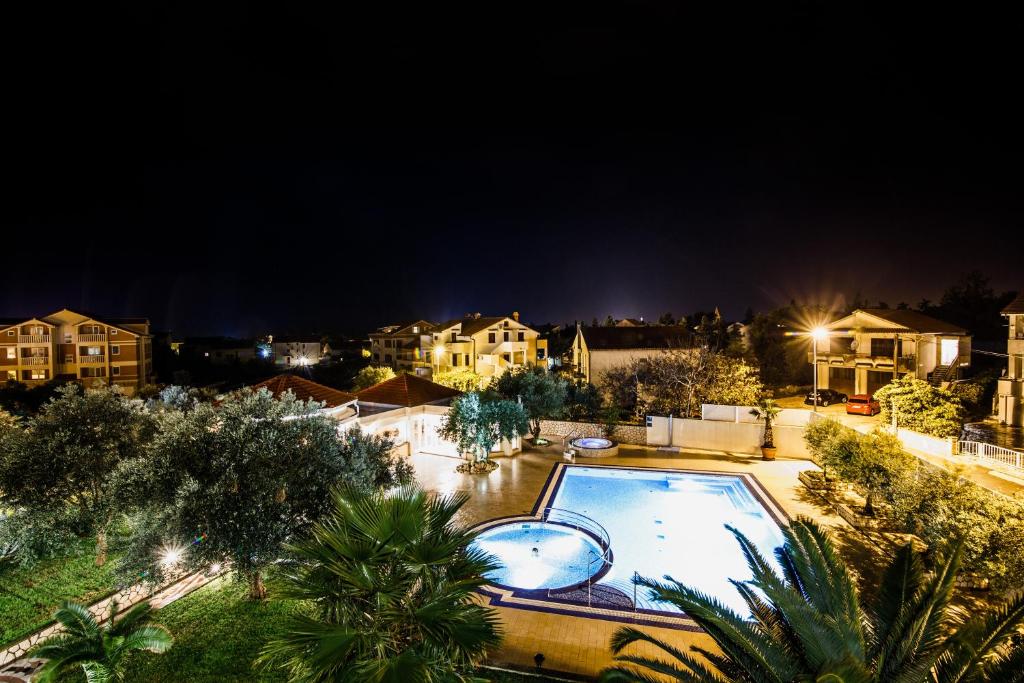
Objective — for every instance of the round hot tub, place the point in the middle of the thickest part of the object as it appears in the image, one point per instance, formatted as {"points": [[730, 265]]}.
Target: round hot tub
{"points": [[542, 555], [594, 447]]}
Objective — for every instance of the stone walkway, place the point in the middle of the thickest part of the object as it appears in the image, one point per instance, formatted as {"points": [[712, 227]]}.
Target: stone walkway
{"points": [[579, 645], [13, 665]]}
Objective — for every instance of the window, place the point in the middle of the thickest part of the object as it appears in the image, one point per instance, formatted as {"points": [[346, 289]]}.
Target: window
{"points": [[490, 337], [465, 359], [115, 350], [10, 333], [67, 338], [454, 334], [387, 357], [69, 359], [113, 333], [540, 353], [455, 360], [94, 351], [506, 336], [12, 375], [507, 357], [883, 347], [522, 336], [415, 329], [115, 371], [12, 352], [39, 374]]}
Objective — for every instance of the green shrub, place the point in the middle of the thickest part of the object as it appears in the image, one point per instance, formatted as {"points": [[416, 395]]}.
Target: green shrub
{"points": [[921, 407]]}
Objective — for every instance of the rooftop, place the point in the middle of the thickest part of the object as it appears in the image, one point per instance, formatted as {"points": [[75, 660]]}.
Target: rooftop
{"points": [[1016, 306], [644, 337], [305, 390], [909, 320], [407, 390]]}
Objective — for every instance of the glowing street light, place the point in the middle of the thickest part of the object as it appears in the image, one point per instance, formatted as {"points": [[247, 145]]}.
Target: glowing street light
{"points": [[816, 333]]}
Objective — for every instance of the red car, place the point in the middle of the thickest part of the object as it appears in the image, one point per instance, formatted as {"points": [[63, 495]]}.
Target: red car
{"points": [[862, 404]]}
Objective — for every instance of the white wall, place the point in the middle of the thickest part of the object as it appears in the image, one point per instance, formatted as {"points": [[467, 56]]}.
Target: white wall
{"points": [[417, 428], [732, 429]]}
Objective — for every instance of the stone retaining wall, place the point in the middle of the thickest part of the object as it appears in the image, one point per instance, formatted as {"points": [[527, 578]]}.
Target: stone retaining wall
{"points": [[631, 434]]}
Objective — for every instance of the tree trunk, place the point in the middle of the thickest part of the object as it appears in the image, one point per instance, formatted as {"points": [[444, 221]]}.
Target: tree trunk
{"points": [[869, 504], [257, 589], [535, 429], [101, 548], [769, 435]]}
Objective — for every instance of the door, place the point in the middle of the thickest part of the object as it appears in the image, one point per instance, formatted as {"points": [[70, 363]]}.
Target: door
{"points": [[877, 380], [842, 380]]}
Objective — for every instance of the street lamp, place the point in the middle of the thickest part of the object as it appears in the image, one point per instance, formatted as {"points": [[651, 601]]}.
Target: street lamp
{"points": [[817, 334]]}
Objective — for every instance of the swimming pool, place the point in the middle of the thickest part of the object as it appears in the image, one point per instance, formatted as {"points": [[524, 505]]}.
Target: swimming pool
{"points": [[664, 522]]}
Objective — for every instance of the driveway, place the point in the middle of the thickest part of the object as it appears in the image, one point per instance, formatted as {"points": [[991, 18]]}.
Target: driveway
{"points": [[861, 423]]}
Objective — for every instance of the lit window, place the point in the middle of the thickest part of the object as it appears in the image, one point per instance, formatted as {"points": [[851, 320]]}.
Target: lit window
{"points": [[39, 374], [92, 350], [12, 352], [12, 375]]}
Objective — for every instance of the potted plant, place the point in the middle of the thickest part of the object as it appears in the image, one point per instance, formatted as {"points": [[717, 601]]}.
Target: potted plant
{"points": [[766, 410]]}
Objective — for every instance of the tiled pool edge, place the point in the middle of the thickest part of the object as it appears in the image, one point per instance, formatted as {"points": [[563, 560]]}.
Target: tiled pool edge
{"points": [[528, 601]]}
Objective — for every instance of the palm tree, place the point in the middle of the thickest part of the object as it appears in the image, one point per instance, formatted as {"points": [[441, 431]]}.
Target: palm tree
{"points": [[392, 578], [99, 649], [809, 624]]}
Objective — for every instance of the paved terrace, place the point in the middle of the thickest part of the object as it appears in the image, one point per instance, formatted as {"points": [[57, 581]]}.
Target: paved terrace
{"points": [[579, 645]]}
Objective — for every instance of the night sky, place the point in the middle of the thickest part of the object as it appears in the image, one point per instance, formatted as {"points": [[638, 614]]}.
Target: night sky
{"points": [[239, 169]]}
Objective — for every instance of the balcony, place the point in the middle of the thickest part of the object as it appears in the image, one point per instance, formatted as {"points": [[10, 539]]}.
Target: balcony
{"points": [[907, 363], [33, 339], [35, 360], [92, 337], [92, 360]]}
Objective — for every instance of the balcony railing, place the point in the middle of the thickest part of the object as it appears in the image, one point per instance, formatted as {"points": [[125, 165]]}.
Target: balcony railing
{"points": [[33, 339], [35, 360], [91, 360], [92, 337], [906, 362]]}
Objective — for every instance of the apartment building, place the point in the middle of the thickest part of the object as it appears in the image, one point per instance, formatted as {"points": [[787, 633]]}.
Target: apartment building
{"points": [[870, 347], [1010, 387], [596, 350], [79, 346], [486, 345], [292, 351]]}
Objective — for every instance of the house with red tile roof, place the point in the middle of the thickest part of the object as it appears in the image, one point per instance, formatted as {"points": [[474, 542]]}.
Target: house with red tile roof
{"points": [[339, 405]]}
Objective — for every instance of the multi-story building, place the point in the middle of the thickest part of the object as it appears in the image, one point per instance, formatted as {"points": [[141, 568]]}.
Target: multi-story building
{"points": [[869, 348], [596, 350], [292, 351], [1010, 387], [78, 346], [487, 346]]}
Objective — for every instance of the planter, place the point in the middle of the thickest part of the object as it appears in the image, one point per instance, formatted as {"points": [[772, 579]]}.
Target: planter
{"points": [[816, 481], [859, 520], [768, 453], [481, 467]]}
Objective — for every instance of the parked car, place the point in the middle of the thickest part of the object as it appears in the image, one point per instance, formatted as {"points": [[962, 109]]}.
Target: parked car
{"points": [[825, 397], [863, 404]]}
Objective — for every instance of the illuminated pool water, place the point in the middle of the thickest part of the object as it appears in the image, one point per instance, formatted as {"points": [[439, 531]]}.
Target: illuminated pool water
{"points": [[592, 442], [658, 523], [537, 555]]}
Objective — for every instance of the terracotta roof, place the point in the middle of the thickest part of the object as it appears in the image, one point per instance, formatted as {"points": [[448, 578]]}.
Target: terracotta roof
{"points": [[1016, 306], [304, 390], [914, 321], [645, 337], [407, 390]]}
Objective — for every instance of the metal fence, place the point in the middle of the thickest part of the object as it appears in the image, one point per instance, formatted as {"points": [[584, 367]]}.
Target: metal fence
{"points": [[990, 454]]}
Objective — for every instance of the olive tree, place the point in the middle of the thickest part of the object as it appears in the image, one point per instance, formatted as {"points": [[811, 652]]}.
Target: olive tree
{"points": [[61, 467], [476, 425], [233, 482], [541, 393]]}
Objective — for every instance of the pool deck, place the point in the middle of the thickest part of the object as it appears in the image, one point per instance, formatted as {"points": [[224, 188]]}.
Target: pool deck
{"points": [[579, 645]]}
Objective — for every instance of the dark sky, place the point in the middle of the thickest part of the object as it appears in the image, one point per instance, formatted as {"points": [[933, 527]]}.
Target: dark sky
{"points": [[232, 168]]}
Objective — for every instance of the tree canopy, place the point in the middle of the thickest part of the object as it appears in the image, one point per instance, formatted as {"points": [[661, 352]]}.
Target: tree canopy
{"points": [[236, 481], [62, 465], [921, 407], [542, 393], [370, 375], [476, 424]]}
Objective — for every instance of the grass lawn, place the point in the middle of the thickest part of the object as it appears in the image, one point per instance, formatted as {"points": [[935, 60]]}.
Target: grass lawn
{"points": [[218, 632], [28, 597]]}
